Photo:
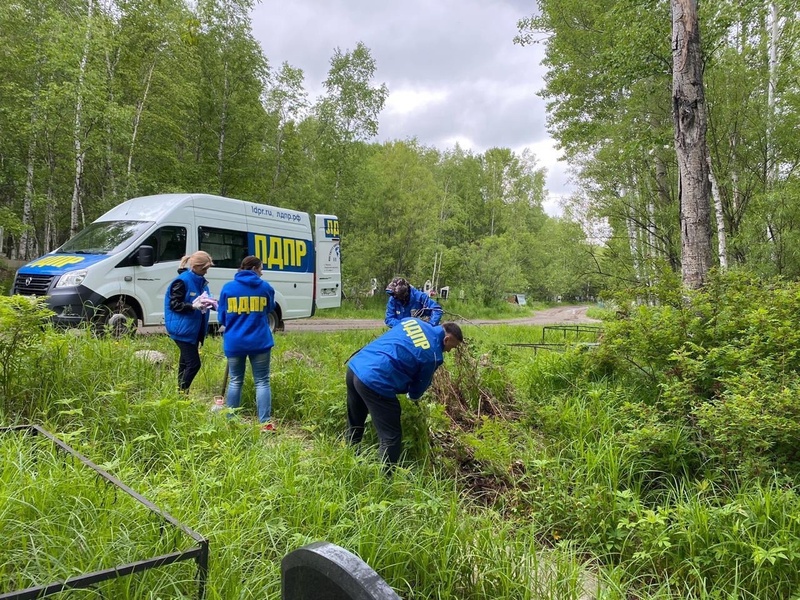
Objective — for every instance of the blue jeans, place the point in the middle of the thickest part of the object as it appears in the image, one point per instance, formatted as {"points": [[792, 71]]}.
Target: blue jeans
{"points": [[259, 363]]}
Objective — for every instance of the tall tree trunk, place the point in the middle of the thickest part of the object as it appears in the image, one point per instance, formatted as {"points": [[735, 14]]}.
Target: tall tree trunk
{"points": [[50, 227], [137, 118], [772, 164], [654, 251], [689, 115], [111, 69], [76, 132], [27, 199], [27, 237], [50, 242], [722, 238], [222, 123]]}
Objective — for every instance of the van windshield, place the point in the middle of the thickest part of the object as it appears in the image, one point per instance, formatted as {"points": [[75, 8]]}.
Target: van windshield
{"points": [[105, 237]]}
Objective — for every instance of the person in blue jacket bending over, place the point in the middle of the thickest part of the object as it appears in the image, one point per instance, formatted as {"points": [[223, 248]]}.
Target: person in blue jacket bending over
{"points": [[401, 361], [407, 301], [244, 307]]}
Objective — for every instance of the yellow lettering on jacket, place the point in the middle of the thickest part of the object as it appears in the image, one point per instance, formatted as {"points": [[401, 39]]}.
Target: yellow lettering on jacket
{"points": [[257, 303], [414, 331], [247, 304]]}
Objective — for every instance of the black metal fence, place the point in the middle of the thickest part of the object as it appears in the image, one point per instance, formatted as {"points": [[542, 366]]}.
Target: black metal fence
{"points": [[198, 552], [560, 337]]}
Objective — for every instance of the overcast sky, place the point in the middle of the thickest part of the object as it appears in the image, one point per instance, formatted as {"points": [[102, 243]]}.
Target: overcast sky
{"points": [[453, 71]]}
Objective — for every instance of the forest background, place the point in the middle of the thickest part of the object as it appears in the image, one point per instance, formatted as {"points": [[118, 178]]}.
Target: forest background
{"points": [[103, 101], [663, 459]]}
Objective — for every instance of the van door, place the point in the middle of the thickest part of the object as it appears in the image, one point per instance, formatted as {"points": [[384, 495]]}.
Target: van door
{"points": [[328, 273], [169, 243]]}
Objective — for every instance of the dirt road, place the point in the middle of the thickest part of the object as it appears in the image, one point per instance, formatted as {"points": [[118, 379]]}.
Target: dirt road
{"points": [[569, 315]]}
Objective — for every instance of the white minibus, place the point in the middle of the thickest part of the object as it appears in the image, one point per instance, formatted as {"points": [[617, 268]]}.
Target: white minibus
{"points": [[116, 271]]}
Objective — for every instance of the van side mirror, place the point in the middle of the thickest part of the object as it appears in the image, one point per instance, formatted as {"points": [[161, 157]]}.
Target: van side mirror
{"points": [[145, 256]]}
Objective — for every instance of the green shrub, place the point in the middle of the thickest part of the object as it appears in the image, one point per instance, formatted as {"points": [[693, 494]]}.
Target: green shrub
{"points": [[724, 362], [23, 329]]}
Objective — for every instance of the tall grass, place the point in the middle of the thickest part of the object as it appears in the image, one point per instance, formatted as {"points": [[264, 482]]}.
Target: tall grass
{"points": [[574, 488], [255, 497]]}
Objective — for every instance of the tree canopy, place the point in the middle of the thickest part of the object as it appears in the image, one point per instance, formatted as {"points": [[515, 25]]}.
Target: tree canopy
{"points": [[610, 107]]}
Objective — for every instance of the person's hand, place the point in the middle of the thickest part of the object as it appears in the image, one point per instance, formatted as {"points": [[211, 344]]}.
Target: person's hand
{"points": [[203, 303]]}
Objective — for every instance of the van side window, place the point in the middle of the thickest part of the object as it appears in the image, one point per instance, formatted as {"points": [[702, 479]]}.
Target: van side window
{"points": [[168, 242], [152, 240], [172, 244], [226, 247]]}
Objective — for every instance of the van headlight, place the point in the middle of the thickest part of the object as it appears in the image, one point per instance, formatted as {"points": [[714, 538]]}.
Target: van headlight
{"points": [[71, 278]]}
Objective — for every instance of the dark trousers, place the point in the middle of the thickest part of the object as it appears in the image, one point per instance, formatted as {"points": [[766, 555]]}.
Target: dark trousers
{"points": [[385, 412], [188, 364]]}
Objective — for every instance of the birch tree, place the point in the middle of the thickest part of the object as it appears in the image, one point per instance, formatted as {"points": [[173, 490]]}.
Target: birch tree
{"points": [[77, 130], [287, 100], [234, 76], [348, 112]]}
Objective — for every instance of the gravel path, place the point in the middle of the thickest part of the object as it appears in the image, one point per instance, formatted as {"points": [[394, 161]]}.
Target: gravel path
{"points": [[559, 315]]}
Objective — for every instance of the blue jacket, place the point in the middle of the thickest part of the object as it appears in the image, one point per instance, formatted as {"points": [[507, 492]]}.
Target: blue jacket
{"points": [[244, 306], [419, 305], [183, 322], [402, 360]]}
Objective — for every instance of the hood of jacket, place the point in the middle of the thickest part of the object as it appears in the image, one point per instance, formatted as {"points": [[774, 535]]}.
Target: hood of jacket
{"points": [[248, 278]]}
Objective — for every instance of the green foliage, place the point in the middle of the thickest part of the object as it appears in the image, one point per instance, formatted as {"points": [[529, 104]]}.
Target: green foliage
{"points": [[581, 452], [174, 96], [6, 278], [23, 322], [256, 499], [601, 312], [608, 93], [59, 520], [492, 445], [490, 271], [725, 361]]}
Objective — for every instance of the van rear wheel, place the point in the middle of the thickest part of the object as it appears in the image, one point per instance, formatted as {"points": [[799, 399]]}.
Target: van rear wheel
{"points": [[275, 322]]}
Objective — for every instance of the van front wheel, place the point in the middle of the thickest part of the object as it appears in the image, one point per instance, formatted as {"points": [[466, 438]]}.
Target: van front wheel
{"points": [[119, 319]]}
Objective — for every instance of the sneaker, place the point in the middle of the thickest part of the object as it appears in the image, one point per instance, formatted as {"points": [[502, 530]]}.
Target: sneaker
{"points": [[267, 427]]}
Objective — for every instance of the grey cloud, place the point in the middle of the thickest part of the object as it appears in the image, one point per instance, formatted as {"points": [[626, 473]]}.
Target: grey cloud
{"points": [[482, 117], [421, 41], [460, 49]]}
